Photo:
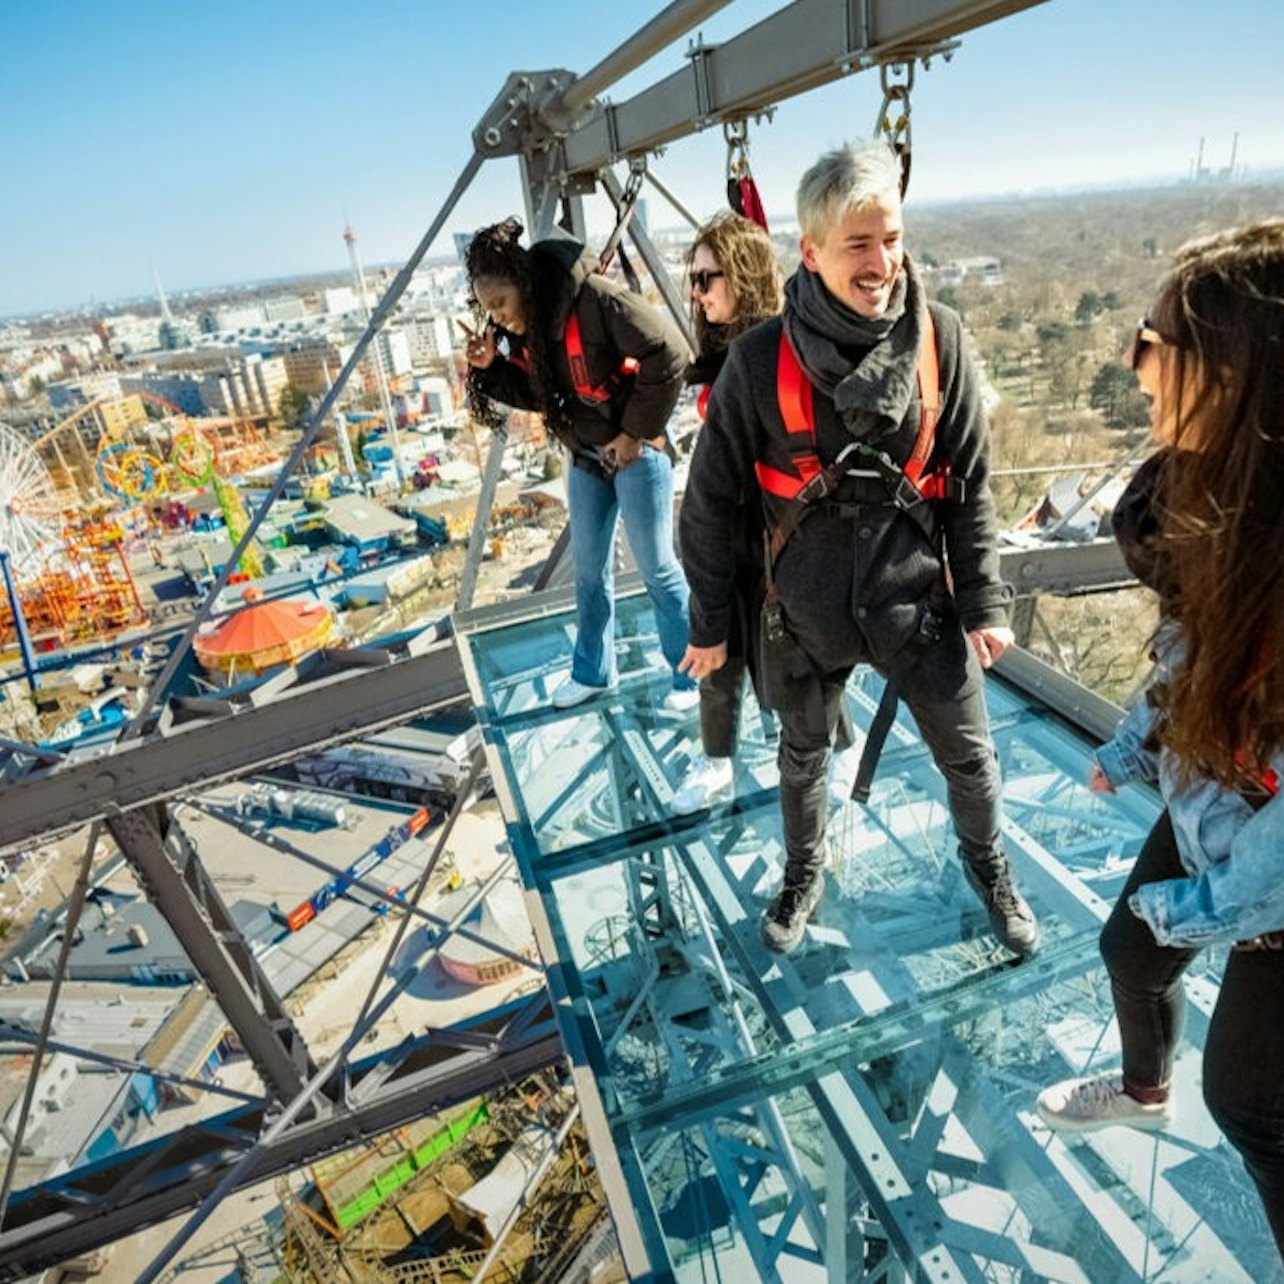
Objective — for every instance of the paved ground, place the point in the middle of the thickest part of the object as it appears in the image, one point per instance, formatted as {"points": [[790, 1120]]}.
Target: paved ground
{"points": [[325, 1015]]}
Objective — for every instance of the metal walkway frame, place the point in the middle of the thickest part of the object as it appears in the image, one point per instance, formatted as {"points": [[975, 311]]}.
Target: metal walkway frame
{"points": [[901, 1042]]}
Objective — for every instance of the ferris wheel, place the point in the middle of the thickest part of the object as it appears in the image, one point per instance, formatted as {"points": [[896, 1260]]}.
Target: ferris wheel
{"points": [[30, 512]]}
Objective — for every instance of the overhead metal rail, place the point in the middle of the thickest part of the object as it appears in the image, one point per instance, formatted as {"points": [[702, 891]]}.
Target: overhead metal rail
{"points": [[805, 45]]}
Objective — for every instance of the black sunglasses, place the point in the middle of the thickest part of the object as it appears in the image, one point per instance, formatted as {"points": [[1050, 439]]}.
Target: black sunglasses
{"points": [[704, 278], [1145, 337]]}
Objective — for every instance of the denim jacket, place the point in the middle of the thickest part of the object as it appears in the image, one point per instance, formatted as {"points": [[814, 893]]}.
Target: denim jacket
{"points": [[1233, 853]]}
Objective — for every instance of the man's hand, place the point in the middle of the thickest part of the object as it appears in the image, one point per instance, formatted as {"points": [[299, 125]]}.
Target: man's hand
{"points": [[480, 350], [990, 644], [622, 450], [700, 661]]}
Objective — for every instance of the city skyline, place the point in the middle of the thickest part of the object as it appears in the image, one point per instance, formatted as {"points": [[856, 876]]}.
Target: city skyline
{"points": [[149, 139]]}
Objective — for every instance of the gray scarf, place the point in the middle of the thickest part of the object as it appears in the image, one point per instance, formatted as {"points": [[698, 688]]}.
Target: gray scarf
{"points": [[871, 388]]}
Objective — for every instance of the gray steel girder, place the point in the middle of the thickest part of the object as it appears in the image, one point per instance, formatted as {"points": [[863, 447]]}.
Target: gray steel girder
{"points": [[805, 45], [97, 1203], [338, 695], [178, 885]]}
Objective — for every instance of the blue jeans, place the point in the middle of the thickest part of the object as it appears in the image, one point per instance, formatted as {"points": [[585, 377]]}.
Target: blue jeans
{"points": [[642, 493]]}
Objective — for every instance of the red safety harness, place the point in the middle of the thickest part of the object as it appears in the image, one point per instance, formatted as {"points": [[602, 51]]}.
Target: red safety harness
{"points": [[906, 488], [584, 389], [794, 397]]}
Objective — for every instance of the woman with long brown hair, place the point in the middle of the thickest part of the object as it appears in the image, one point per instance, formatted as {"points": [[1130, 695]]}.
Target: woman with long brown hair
{"points": [[1210, 356]]}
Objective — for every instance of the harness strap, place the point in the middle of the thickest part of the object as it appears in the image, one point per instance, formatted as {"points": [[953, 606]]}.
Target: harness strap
{"points": [[929, 394], [584, 389], [794, 396], [874, 742]]}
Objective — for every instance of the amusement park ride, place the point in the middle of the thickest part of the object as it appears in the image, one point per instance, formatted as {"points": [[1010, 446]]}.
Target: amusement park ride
{"points": [[693, 1056], [70, 500]]}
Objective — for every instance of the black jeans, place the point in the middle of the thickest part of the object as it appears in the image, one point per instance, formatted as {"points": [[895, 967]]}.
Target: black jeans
{"points": [[942, 687], [1244, 1050], [720, 707], [720, 696]]}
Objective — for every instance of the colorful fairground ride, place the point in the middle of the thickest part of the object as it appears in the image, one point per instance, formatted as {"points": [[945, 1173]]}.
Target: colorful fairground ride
{"points": [[73, 501], [147, 453], [66, 578]]}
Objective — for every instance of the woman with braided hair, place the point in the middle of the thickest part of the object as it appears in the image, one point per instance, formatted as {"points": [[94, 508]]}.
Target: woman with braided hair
{"points": [[604, 368]]}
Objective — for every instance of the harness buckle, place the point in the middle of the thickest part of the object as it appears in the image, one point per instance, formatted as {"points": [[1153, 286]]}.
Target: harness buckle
{"points": [[906, 495], [820, 487], [773, 622]]}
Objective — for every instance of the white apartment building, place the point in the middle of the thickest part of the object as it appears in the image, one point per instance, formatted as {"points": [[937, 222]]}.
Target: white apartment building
{"points": [[340, 299], [430, 338], [129, 333], [241, 316], [286, 308], [247, 387]]}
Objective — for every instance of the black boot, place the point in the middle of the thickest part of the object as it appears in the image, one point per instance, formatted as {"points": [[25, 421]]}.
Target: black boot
{"points": [[1011, 917], [787, 916]]}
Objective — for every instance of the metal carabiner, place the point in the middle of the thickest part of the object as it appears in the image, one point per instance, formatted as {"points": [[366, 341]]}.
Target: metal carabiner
{"points": [[736, 132], [896, 130]]}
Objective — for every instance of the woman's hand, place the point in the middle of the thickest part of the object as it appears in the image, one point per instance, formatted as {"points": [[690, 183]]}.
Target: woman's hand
{"points": [[623, 450], [1097, 781], [480, 349]]}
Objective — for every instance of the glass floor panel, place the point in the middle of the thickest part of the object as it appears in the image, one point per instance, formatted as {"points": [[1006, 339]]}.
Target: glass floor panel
{"points": [[864, 1106]]}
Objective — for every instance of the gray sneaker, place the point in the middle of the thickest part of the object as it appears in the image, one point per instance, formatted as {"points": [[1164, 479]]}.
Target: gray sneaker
{"points": [[1011, 918], [788, 914], [1084, 1105]]}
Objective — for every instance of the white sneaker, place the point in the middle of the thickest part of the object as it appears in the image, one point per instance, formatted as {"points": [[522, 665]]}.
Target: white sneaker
{"points": [[571, 693], [681, 699], [707, 779], [1084, 1105]]}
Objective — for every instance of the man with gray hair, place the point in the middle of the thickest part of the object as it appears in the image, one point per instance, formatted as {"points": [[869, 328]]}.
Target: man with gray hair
{"points": [[857, 418]]}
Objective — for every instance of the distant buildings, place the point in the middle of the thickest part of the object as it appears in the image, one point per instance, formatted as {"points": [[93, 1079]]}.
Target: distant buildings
{"points": [[247, 387], [982, 269], [430, 338], [70, 395]]}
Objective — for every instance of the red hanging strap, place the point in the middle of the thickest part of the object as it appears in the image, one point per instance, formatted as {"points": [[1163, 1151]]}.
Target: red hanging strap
{"points": [[751, 202], [584, 388], [742, 191]]}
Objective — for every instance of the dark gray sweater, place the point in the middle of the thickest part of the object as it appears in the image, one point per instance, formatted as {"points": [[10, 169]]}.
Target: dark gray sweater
{"points": [[851, 583]]}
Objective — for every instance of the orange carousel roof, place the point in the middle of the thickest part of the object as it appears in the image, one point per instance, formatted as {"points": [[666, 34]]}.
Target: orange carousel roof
{"points": [[263, 634]]}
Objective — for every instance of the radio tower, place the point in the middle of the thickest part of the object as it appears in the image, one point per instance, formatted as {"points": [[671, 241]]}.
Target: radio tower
{"points": [[350, 239]]}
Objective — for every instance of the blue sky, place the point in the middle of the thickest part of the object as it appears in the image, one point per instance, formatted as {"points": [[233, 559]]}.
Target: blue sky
{"points": [[223, 141]]}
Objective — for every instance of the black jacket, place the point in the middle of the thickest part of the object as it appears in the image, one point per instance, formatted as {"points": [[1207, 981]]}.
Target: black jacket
{"points": [[852, 582], [614, 323]]}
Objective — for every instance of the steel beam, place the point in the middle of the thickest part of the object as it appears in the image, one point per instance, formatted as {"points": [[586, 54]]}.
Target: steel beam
{"points": [[95, 1204], [339, 696], [804, 46], [1064, 569], [178, 886], [674, 21]]}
